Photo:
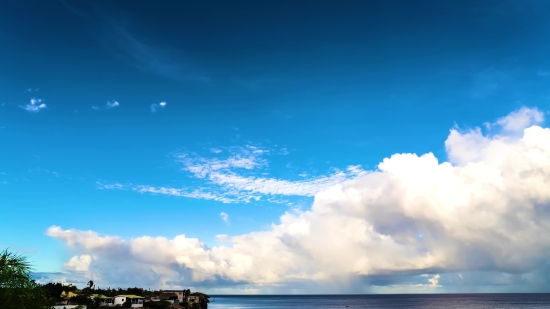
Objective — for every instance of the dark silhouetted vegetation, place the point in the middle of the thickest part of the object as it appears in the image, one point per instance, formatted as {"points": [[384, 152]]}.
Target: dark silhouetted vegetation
{"points": [[17, 289]]}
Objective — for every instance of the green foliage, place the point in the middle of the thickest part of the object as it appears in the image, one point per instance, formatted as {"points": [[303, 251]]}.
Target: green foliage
{"points": [[97, 304], [82, 300], [135, 291], [17, 289], [53, 289], [53, 292], [69, 288], [127, 304]]}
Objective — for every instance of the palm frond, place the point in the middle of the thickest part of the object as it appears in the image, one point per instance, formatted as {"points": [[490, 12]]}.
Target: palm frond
{"points": [[17, 289]]}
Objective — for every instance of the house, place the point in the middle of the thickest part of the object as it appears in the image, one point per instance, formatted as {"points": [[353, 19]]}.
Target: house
{"points": [[68, 294], [193, 300], [67, 297], [171, 297], [137, 301], [104, 300], [179, 293]]}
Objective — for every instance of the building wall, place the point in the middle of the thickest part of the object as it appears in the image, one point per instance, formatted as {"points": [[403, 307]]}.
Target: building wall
{"points": [[179, 293], [193, 299], [119, 300]]}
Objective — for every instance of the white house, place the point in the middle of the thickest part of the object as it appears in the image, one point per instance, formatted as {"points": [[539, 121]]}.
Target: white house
{"points": [[104, 300], [137, 301]]}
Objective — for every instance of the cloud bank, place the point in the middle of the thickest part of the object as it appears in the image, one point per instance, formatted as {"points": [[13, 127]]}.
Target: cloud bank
{"points": [[481, 217]]}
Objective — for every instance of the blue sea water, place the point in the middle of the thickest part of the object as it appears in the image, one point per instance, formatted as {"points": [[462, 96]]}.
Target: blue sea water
{"points": [[469, 301]]}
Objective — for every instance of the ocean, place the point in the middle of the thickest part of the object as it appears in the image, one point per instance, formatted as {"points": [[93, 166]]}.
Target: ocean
{"points": [[469, 301]]}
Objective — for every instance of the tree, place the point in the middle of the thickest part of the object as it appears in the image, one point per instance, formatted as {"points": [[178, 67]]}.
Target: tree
{"points": [[82, 299], [135, 291], [53, 292], [17, 289]]}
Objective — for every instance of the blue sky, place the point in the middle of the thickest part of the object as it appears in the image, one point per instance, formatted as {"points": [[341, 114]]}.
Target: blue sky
{"points": [[134, 118]]}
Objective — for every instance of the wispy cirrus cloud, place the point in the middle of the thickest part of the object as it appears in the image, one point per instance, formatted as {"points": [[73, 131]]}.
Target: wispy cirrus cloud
{"points": [[35, 105], [116, 31], [203, 193], [272, 186], [234, 178], [225, 174], [248, 158], [148, 56]]}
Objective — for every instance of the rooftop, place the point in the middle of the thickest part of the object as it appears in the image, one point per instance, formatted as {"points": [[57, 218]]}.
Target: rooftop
{"points": [[130, 296]]}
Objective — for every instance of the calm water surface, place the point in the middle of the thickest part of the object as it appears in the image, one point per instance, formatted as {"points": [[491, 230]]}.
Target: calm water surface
{"points": [[470, 301]]}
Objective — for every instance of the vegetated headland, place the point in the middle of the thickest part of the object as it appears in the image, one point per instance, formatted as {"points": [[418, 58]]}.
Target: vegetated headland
{"points": [[18, 290], [92, 297]]}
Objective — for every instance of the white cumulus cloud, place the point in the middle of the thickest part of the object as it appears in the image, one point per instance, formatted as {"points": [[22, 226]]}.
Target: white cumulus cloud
{"points": [[79, 263], [225, 217], [35, 105], [488, 209], [156, 106], [109, 105], [521, 119], [112, 104]]}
